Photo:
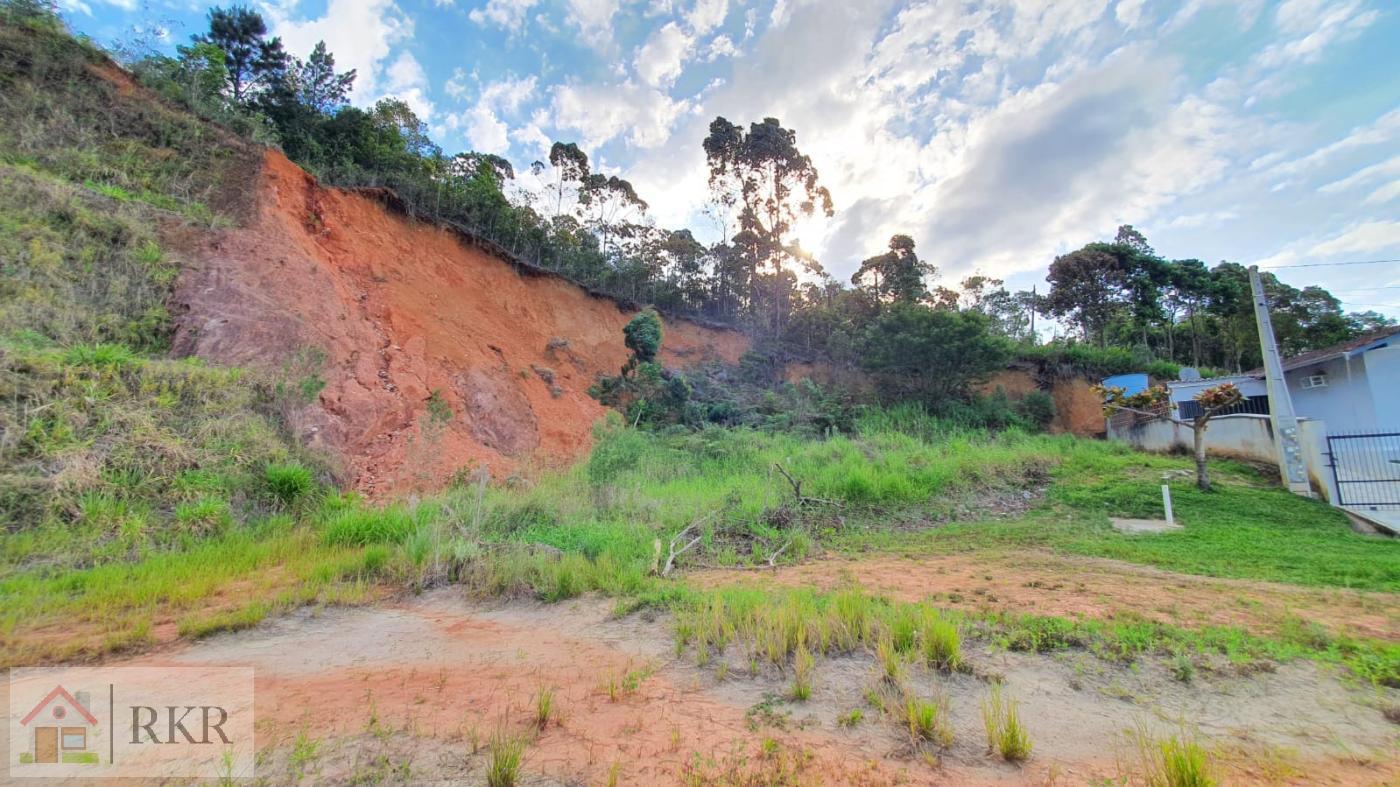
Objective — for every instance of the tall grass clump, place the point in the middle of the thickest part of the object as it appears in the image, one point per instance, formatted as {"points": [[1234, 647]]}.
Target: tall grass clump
{"points": [[803, 667], [507, 755], [288, 482], [928, 720], [1177, 760], [357, 526], [1005, 733], [940, 641]]}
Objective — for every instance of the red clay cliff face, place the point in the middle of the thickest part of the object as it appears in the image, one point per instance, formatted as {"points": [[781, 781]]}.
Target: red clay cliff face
{"points": [[391, 313]]}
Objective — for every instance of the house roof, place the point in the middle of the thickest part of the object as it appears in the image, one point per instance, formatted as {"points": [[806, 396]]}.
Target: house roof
{"points": [[1209, 381], [1347, 348], [59, 691]]}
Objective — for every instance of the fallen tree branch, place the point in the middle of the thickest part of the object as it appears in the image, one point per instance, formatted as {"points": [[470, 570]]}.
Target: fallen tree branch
{"points": [[796, 485], [674, 553]]}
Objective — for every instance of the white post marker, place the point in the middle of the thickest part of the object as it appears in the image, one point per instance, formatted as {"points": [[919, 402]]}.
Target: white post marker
{"points": [[1167, 503]]}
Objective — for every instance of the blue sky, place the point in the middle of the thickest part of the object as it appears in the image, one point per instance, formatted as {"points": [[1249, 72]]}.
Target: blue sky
{"points": [[997, 134]]}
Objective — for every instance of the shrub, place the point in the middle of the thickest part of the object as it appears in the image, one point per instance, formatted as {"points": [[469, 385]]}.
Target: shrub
{"points": [[1037, 409], [288, 482]]}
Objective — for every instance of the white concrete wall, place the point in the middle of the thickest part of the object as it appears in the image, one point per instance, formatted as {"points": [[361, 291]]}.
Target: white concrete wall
{"points": [[1312, 437], [1243, 436], [1383, 378], [1345, 403]]}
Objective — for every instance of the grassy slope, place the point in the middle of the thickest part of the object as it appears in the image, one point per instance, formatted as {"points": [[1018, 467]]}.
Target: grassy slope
{"points": [[139, 493]]}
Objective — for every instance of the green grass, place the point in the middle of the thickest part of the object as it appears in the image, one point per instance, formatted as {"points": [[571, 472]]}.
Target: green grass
{"points": [[507, 755], [928, 720], [1176, 760], [1005, 733]]}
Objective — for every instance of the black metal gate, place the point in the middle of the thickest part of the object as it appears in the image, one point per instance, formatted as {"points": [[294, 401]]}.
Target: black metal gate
{"points": [[1366, 468]]}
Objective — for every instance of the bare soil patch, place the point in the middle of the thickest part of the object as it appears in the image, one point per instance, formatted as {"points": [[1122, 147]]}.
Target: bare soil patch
{"points": [[413, 691], [1079, 587]]}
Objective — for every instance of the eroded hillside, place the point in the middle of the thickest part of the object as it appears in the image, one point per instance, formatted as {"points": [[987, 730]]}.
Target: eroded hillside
{"points": [[436, 355]]}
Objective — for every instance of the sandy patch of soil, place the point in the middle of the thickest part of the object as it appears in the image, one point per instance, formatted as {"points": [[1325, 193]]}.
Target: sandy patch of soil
{"points": [[1079, 587], [413, 691]]}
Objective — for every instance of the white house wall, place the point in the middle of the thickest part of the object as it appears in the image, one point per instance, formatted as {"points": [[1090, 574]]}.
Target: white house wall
{"points": [[1344, 403], [1383, 378]]}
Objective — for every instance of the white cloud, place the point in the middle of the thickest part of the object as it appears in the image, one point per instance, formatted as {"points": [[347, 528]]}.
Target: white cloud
{"points": [[361, 33], [1381, 130], [593, 18], [1384, 194], [1384, 169], [722, 46], [1212, 218], [1364, 237], [1312, 26], [509, 14], [484, 123], [1128, 12], [660, 60], [456, 86], [601, 113], [707, 15], [405, 79]]}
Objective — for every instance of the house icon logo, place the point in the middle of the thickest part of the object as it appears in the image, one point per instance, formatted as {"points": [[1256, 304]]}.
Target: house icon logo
{"points": [[60, 729]]}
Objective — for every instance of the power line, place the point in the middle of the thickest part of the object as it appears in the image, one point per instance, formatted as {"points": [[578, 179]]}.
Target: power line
{"points": [[1381, 305], [1367, 289], [1328, 264]]}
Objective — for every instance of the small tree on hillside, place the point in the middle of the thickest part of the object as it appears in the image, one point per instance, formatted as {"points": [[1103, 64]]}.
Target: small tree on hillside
{"points": [[642, 335], [254, 62], [930, 355], [1155, 403]]}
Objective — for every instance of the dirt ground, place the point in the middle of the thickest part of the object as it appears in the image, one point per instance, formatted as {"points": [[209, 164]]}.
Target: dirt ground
{"points": [[412, 691], [1080, 587]]}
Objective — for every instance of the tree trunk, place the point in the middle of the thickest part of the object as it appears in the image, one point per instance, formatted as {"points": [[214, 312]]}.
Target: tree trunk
{"points": [[1198, 433]]}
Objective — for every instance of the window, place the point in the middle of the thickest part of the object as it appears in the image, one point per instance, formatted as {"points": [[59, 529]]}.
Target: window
{"points": [[74, 738], [1314, 381]]}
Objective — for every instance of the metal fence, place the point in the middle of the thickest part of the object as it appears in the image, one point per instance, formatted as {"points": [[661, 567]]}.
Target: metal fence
{"points": [[1254, 405], [1366, 467]]}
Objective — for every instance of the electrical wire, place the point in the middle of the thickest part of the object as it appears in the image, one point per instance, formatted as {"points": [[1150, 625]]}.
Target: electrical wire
{"points": [[1326, 264]]}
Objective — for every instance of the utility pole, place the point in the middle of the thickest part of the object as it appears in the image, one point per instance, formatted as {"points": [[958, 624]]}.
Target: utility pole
{"points": [[1281, 416]]}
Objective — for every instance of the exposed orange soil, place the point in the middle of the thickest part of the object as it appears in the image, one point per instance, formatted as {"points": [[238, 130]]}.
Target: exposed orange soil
{"points": [[1077, 409], [484, 674], [1048, 584], [402, 309], [436, 674]]}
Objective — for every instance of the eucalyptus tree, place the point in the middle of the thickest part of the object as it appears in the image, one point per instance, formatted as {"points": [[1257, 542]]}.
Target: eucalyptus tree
{"points": [[772, 183]]}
